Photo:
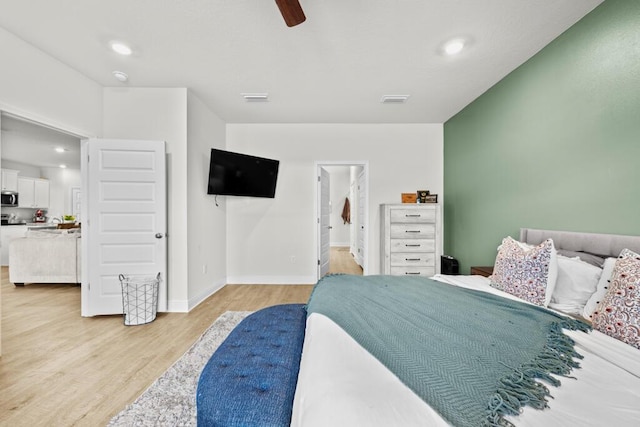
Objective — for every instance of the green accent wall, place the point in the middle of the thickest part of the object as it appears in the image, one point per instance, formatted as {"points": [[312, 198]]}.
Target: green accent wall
{"points": [[554, 145]]}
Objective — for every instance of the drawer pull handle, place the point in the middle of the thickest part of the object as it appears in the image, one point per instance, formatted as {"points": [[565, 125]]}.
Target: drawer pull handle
{"points": [[412, 259], [412, 231], [412, 215], [413, 246], [408, 272]]}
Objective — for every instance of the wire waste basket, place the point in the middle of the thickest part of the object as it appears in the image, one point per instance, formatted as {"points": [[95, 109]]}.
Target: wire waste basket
{"points": [[139, 298]]}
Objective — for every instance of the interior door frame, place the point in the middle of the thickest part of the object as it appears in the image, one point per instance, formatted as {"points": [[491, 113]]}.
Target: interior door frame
{"points": [[365, 167]]}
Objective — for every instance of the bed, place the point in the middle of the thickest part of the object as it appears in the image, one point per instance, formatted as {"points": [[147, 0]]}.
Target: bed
{"points": [[340, 383]]}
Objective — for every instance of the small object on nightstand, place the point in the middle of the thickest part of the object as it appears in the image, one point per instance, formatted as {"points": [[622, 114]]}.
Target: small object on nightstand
{"points": [[484, 271], [449, 265]]}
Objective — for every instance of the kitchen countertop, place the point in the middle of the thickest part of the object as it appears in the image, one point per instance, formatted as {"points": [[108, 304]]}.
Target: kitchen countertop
{"points": [[34, 224]]}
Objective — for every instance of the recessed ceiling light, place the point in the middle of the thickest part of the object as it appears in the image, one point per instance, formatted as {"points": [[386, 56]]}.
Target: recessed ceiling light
{"points": [[121, 48], [63, 166], [120, 76], [60, 150], [255, 97], [394, 99], [453, 47]]}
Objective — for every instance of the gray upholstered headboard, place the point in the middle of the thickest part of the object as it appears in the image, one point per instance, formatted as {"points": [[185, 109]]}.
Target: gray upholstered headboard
{"points": [[588, 246]]}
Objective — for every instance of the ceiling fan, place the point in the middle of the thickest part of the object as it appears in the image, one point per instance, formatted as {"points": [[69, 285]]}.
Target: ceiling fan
{"points": [[291, 12]]}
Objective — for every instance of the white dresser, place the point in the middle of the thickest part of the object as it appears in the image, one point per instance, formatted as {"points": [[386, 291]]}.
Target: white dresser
{"points": [[410, 239]]}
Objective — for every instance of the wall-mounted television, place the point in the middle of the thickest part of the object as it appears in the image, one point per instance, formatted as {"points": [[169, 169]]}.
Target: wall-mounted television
{"points": [[235, 174]]}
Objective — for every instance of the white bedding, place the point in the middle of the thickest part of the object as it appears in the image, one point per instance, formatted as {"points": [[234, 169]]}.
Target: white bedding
{"points": [[341, 384]]}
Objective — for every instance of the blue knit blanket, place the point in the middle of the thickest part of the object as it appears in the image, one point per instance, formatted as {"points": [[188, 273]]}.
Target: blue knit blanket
{"points": [[473, 357]]}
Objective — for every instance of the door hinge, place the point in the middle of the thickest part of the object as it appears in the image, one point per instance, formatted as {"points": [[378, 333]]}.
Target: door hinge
{"points": [[318, 178], [318, 262]]}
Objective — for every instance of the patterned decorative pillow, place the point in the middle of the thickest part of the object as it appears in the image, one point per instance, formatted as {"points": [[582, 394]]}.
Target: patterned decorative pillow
{"points": [[618, 313], [601, 289], [528, 273]]}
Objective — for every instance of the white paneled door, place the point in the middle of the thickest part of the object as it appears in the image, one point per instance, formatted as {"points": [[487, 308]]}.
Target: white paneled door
{"points": [[324, 222], [360, 232], [124, 222]]}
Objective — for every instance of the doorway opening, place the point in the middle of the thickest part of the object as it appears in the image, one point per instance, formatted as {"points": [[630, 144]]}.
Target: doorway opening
{"points": [[342, 217], [32, 153]]}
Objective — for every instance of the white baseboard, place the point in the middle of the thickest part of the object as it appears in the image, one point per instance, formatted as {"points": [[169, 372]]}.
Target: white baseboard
{"points": [[177, 306], [185, 306], [193, 302]]}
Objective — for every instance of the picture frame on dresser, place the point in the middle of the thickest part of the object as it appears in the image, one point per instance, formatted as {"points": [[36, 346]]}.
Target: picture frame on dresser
{"points": [[422, 196]]}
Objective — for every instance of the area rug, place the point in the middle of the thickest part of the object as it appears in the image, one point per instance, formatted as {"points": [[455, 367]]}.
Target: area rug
{"points": [[171, 399]]}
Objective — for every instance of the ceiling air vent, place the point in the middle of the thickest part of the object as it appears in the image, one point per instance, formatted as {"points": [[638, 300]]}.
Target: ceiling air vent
{"points": [[255, 97], [394, 99]]}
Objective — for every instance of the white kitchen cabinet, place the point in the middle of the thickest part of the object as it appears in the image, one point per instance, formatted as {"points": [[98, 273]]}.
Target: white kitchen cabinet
{"points": [[41, 187], [26, 192], [411, 239], [7, 233], [9, 180], [33, 193]]}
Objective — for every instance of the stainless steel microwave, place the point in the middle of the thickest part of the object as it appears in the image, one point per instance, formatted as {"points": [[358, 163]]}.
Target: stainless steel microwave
{"points": [[9, 198]]}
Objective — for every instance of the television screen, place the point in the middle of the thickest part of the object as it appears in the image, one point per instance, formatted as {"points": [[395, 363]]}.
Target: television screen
{"points": [[235, 174]]}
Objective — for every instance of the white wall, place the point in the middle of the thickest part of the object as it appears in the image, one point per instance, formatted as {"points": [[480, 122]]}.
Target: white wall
{"points": [[274, 240], [340, 177], [159, 114], [24, 170], [206, 222], [39, 87]]}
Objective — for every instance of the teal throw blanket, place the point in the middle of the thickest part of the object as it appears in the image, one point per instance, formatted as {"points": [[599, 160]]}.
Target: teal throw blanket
{"points": [[472, 356]]}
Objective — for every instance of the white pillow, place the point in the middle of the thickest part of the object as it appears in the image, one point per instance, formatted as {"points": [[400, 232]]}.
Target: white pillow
{"points": [[601, 288], [577, 281]]}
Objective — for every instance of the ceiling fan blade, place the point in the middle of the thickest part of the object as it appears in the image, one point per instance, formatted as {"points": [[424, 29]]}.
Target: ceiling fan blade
{"points": [[291, 12]]}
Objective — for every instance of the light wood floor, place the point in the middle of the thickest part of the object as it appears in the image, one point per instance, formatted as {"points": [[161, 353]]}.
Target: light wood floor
{"points": [[60, 369], [341, 261]]}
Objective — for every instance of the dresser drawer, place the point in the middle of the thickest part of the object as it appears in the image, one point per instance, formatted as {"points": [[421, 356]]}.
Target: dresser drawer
{"points": [[413, 245], [413, 271], [413, 259], [412, 215], [412, 231]]}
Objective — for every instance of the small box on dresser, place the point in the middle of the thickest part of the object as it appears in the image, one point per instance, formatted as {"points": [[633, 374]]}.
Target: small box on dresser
{"points": [[410, 239]]}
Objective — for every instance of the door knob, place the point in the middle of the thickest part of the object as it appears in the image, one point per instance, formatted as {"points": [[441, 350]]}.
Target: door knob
{"points": [[159, 235]]}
